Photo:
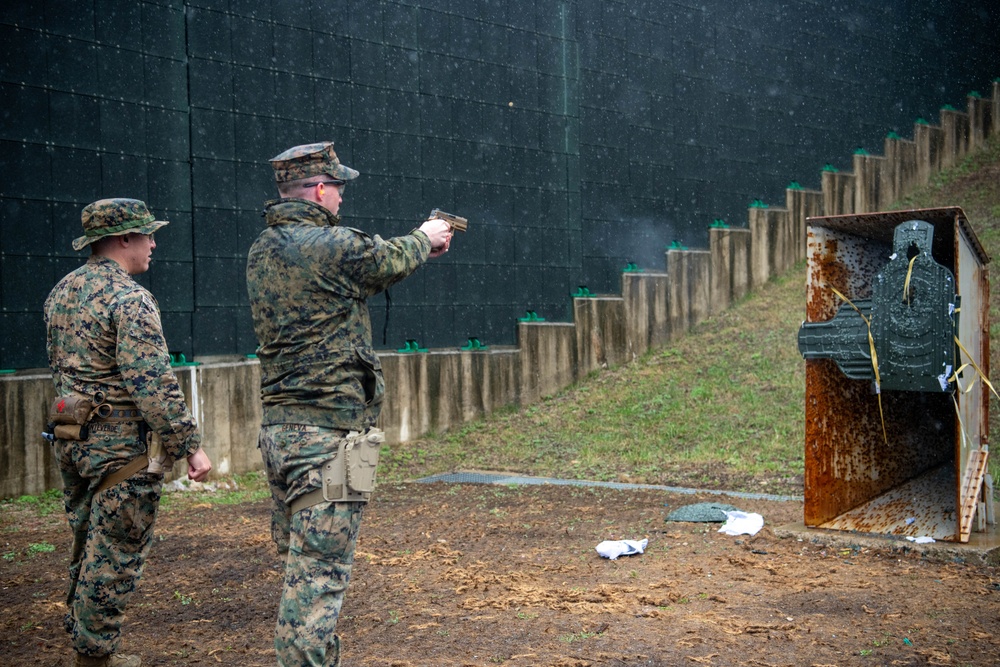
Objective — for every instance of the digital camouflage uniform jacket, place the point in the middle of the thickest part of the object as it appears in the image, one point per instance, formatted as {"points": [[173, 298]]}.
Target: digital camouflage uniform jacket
{"points": [[104, 334], [308, 280]]}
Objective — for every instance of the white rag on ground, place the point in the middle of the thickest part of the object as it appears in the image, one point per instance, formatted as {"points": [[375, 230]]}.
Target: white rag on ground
{"points": [[742, 523], [614, 548]]}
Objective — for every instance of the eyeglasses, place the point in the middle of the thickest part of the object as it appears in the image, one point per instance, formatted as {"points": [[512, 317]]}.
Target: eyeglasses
{"points": [[339, 184]]}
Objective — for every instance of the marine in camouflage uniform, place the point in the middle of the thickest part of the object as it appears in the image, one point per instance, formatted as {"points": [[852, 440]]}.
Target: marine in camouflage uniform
{"points": [[308, 280], [104, 337]]}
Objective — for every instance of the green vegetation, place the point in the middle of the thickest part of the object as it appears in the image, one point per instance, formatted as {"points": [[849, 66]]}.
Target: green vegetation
{"points": [[247, 488], [183, 598], [40, 548], [32, 550], [722, 407], [45, 504]]}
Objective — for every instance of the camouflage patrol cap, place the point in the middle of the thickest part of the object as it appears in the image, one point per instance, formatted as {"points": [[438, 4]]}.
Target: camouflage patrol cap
{"points": [[310, 160], [114, 217]]}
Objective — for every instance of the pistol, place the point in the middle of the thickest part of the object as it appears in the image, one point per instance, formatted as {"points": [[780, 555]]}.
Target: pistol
{"points": [[456, 223]]}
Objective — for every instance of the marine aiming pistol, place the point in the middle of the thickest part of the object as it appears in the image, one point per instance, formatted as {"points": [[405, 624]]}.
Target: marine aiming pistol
{"points": [[456, 223]]}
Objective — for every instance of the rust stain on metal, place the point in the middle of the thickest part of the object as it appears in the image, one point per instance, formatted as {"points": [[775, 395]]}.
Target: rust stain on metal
{"points": [[854, 480]]}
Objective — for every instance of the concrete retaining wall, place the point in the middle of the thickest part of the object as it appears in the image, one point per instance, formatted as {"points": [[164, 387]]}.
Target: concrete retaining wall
{"points": [[440, 389]]}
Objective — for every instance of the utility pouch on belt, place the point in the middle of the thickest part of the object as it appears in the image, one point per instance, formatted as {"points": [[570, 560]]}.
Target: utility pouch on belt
{"points": [[68, 417], [71, 409], [350, 475]]}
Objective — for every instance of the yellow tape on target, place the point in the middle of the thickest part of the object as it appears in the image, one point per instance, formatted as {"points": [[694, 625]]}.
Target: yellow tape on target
{"points": [[871, 346]]}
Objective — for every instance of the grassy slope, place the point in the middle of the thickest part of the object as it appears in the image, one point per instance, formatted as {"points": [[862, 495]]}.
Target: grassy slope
{"points": [[722, 407]]}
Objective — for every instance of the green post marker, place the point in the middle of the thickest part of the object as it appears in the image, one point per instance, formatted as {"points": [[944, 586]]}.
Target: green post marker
{"points": [[411, 347], [474, 345], [178, 359]]}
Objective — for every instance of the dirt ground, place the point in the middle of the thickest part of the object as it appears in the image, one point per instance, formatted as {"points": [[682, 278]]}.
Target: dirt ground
{"points": [[489, 575]]}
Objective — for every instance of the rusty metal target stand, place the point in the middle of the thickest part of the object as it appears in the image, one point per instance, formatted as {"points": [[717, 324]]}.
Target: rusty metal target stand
{"points": [[899, 446]]}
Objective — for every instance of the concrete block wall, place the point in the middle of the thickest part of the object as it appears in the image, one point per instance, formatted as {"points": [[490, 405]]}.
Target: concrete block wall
{"points": [[439, 389]]}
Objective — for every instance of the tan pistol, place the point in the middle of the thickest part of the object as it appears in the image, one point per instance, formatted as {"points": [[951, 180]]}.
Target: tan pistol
{"points": [[456, 223]]}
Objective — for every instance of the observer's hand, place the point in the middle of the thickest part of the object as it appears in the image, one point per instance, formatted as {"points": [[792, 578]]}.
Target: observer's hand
{"points": [[199, 465]]}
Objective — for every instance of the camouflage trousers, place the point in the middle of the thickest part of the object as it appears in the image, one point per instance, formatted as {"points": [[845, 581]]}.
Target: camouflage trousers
{"points": [[319, 542], [112, 534]]}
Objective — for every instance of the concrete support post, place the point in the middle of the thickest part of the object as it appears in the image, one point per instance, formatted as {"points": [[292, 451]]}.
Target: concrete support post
{"points": [[600, 332], [548, 358], [801, 204], [730, 262], [225, 399], [900, 173], [868, 182], [690, 283], [930, 151], [995, 109], [647, 309], [769, 228], [981, 121], [955, 125], [838, 192], [27, 461], [406, 411]]}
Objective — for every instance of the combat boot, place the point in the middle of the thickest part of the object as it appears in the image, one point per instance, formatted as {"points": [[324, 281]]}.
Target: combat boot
{"points": [[113, 660]]}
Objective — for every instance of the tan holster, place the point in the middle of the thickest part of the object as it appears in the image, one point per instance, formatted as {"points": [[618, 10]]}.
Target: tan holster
{"points": [[349, 476], [154, 460]]}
